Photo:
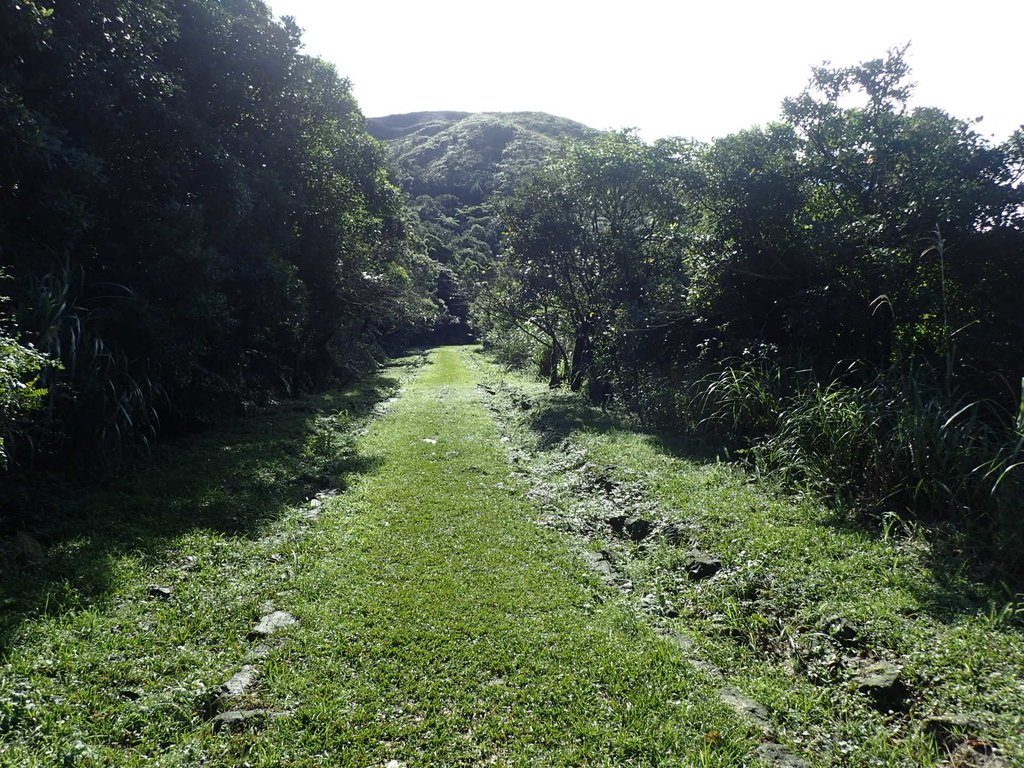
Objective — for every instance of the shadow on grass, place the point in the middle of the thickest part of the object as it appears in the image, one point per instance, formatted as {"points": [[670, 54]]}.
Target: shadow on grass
{"points": [[232, 481], [959, 583]]}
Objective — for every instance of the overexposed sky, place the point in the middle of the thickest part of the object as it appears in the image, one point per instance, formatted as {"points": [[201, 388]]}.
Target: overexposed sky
{"points": [[667, 67]]}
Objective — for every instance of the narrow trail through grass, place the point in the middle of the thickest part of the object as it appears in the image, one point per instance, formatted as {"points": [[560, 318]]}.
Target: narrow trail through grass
{"points": [[432, 562], [441, 626]]}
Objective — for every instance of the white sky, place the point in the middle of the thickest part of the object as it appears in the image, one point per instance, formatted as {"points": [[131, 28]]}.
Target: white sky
{"points": [[668, 68]]}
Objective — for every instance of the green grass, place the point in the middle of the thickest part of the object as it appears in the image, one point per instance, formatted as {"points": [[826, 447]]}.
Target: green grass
{"points": [[791, 565], [439, 625]]}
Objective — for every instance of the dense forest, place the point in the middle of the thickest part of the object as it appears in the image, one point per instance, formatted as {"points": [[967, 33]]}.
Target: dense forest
{"points": [[193, 218], [196, 218]]}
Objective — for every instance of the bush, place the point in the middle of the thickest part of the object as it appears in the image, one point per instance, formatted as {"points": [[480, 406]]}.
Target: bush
{"points": [[893, 444]]}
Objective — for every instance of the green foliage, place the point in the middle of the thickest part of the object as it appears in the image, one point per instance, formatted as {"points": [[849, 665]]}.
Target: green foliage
{"points": [[890, 445], [20, 393], [877, 244], [454, 166], [193, 214], [591, 250]]}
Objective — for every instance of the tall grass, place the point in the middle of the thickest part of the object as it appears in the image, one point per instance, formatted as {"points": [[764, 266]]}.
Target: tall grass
{"points": [[99, 406], [896, 444]]}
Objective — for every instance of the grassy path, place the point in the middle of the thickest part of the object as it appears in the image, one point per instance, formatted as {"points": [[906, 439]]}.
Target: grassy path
{"points": [[442, 627], [438, 625], [442, 614]]}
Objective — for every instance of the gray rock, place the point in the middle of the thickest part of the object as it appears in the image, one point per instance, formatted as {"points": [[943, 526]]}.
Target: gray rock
{"points": [[236, 719], [162, 593], [840, 629], [777, 756], [977, 755], [700, 566], [239, 683], [947, 730], [599, 562], [745, 707], [881, 681], [638, 528], [272, 622]]}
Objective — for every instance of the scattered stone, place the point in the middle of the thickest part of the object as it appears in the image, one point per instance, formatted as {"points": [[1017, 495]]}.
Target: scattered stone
{"points": [[394, 764], [678, 639], [598, 561], [239, 683], [638, 528], [777, 756], [975, 753], [258, 652], [163, 593], [881, 681], [947, 730], [745, 707], [617, 523], [700, 566], [840, 629], [272, 622], [430, 440], [314, 503], [236, 719]]}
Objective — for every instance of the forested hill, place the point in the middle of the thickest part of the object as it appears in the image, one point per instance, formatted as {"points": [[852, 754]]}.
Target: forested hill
{"points": [[451, 165], [469, 155]]}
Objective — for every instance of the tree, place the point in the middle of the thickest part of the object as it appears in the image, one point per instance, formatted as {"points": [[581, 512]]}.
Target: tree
{"points": [[592, 246]]}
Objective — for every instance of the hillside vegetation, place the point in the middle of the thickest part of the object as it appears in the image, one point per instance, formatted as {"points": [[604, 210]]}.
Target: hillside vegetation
{"points": [[453, 167]]}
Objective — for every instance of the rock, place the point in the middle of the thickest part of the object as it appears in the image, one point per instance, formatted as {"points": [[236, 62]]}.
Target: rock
{"points": [[599, 562], [700, 566], [881, 681], [745, 707], [977, 754], [237, 719], [638, 528], [258, 652], [163, 593], [239, 683], [777, 756], [948, 730], [26, 548], [272, 622], [617, 523], [839, 628]]}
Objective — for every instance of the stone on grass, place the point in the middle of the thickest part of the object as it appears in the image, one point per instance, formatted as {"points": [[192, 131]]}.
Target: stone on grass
{"points": [[700, 566], [977, 754], [638, 528], [777, 756], [162, 593], [272, 622], [881, 681], [750, 710], [948, 729], [239, 683], [672, 534], [237, 719], [617, 523]]}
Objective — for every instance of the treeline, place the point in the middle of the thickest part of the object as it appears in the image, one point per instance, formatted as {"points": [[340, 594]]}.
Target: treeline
{"points": [[835, 296], [192, 219]]}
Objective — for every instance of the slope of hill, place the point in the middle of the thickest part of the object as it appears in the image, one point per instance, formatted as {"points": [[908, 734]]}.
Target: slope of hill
{"points": [[452, 166], [469, 155]]}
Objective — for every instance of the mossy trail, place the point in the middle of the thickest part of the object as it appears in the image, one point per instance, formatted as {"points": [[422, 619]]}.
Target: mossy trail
{"points": [[442, 626]]}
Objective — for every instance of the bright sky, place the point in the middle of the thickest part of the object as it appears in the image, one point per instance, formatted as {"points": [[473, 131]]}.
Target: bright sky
{"points": [[668, 67]]}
